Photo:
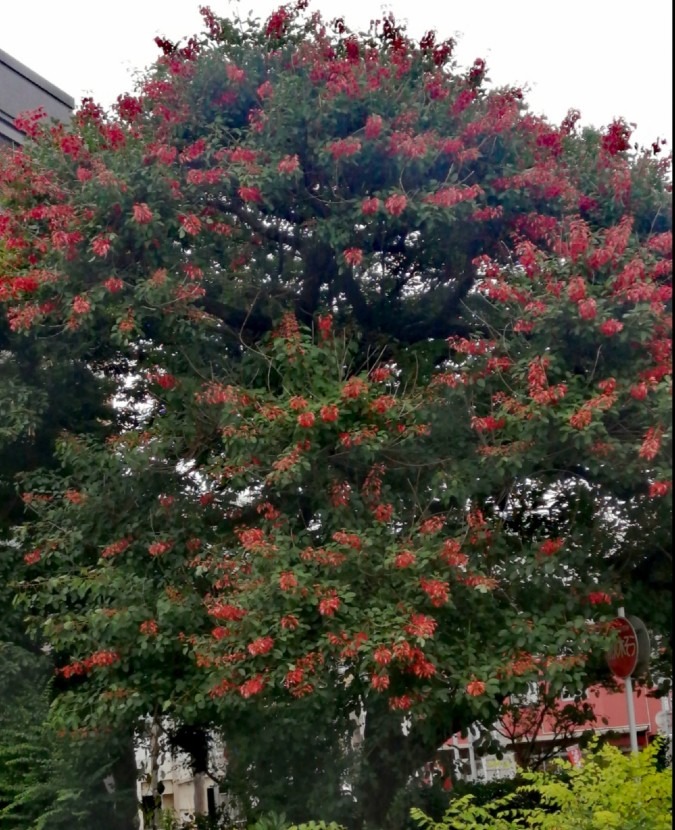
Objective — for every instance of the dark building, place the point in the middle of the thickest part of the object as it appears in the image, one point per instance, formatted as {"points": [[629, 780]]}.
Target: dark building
{"points": [[21, 89]]}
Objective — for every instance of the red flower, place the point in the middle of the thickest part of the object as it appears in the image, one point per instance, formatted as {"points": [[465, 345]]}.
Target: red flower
{"points": [[639, 391], [350, 539], [421, 626], [325, 325], [252, 538], [437, 591], [306, 419], [382, 656], [227, 612], [265, 90], [329, 605], [102, 658], [475, 688], [219, 632], [100, 245], [551, 546], [370, 206], [610, 327], [115, 548], [353, 256], [452, 555], [405, 559], [396, 204], [581, 418], [294, 677], [576, 289], [149, 628], [159, 548], [487, 424], [81, 305], [651, 443], [262, 645], [344, 147], [234, 73], [113, 284], [288, 165], [588, 309], [165, 380], [383, 512], [599, 598], [191, 223], [297, 403], [252, 687], [287, 581], [373, 126], [617, 138], [142, 213], [250, 194], [658, 489], [379, 682], [329, 414], [32, 557], [290, 622], [354, 388], [432, 525], [380, 374], [403, 702]]}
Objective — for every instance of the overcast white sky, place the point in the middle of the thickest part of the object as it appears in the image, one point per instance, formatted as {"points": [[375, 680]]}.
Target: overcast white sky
{"points": [[604, 57]]}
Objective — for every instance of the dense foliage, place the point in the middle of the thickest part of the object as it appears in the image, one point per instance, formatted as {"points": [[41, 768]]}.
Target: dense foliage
{"points": [[610, 790], [387, 366]]}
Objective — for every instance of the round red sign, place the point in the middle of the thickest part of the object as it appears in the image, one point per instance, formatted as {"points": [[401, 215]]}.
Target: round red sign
{"points": [[622, 657]]}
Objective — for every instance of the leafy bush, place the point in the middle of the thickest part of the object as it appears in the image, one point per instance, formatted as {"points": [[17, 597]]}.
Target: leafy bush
{"points": [[610, 790]]}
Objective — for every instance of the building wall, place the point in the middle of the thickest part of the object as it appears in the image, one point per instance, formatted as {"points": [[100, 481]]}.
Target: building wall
{"points": [[21, 89]]}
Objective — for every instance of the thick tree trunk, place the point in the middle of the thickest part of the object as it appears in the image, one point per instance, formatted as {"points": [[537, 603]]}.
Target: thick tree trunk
{"points": [[389, 760]]}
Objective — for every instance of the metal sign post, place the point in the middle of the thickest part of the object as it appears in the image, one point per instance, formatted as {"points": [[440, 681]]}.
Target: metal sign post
{"points": [[628, 681]]}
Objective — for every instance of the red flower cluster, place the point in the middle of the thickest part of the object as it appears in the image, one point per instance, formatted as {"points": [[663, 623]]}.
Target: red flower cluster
{"points": [[263, 645], [288, 165], [551, 546], [658, 489], [437, 591], [651, 443], [159, 548], [329, 605], [227, 612], [405, 559], [599, 598], [287, 581], [253, 686], [396, 204], [142, 214], [421, 626], [354, 388], [383, 512], [475, 688], [32, 557], [353, 256], [149, 628]]}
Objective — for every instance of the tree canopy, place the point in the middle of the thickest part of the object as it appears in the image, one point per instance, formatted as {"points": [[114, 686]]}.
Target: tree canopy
{"points": [[380, 371]]}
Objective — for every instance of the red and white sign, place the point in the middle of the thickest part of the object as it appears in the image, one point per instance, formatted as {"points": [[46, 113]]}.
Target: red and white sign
{"points": [[622, 657]]}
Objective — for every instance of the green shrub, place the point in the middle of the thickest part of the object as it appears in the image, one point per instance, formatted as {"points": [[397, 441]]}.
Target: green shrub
{"points": [[611, 791]]}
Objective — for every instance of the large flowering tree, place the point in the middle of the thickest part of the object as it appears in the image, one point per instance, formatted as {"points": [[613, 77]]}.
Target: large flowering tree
{"points": [[391, 362]]}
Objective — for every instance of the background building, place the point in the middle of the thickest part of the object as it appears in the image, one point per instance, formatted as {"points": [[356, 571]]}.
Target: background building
{"points": [[21, 89]]}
